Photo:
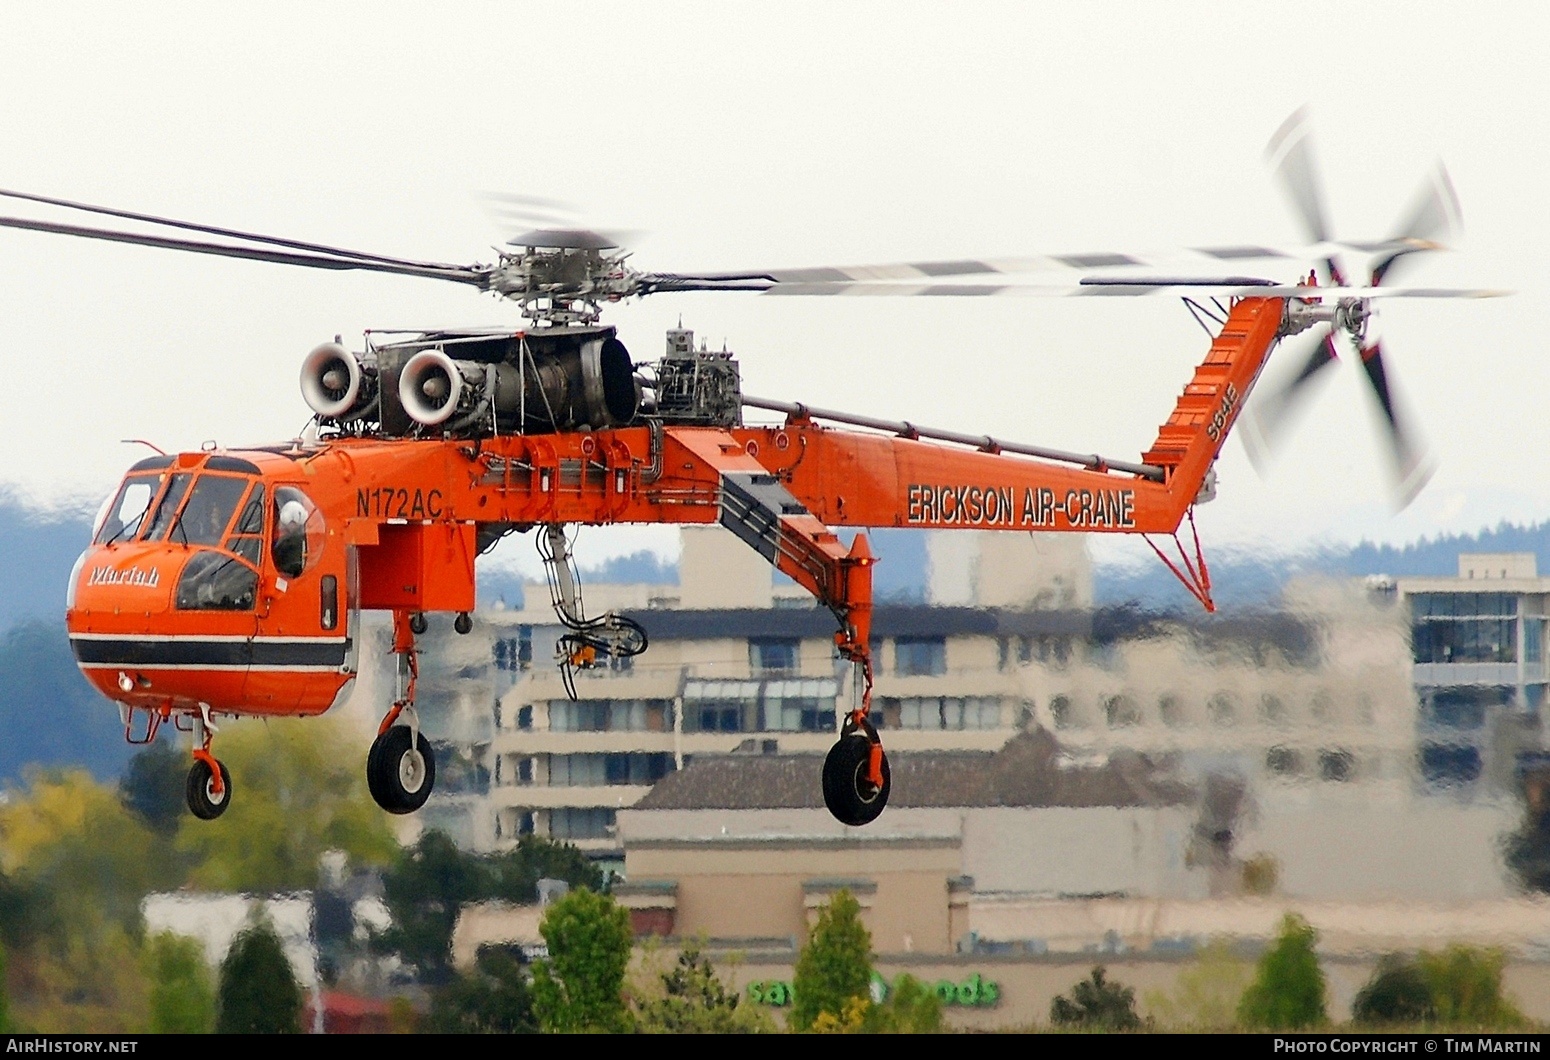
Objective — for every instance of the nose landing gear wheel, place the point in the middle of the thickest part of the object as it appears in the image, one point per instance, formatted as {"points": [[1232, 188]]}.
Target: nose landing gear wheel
{"points": [[400, 771], [203, 800], [849, 795]]}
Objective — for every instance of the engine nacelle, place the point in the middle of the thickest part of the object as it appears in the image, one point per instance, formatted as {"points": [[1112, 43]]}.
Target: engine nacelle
{"points": [[590, 384], [336, 385]]}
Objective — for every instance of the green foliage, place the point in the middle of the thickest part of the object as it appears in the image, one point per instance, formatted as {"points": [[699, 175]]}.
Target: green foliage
{"points": [[5, 997], [1206, 993], [580, 986], [1459, 987], [1288, 988], [300, 789], [430, 882], [152, 787], [1466, 987], [493, 999], [1097, 1004], [1397, 992], [182, 999], [258, 990], [690, 998], [834, 966], [911, 1007]]}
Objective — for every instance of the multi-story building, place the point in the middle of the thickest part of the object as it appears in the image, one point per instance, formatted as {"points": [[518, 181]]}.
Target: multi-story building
{"points": [[1478, 648]]}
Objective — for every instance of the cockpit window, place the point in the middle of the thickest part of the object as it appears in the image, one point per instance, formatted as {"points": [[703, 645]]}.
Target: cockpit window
{"points": [[298, 531], [214, 581], [209, 509], [121, 516], [167, 507]]}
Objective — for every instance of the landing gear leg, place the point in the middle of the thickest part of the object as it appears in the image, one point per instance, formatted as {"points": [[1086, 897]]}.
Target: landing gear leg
{"points": [[856, 779], [401, 768], [208, 791]]}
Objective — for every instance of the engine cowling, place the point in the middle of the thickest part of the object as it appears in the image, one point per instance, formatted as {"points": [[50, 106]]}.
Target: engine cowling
{"points": [[336, 385]]}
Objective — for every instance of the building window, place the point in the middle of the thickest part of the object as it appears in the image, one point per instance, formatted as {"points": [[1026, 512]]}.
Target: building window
{"points": [[577, 822], [611, 715], [1171, 710], [515, 653], [1464, 627], [525, 717], [774, 655], [1063, 713], [949, 713], [1121, 712], [1450, 765], [1283, 762], [1336, 765], [800, 705], [920, 656], [1463, 707], [1222, 709], [1272, 711], [601, 770]]}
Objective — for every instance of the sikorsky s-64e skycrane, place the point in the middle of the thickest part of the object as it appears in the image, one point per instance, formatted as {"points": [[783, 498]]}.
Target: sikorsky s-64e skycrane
{"points": [[231, 582]]}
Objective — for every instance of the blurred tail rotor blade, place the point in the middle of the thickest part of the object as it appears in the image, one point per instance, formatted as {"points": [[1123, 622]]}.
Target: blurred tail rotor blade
{"points": [[1432, 220], [1265, 417], [1291, 156], [1413, 463]]}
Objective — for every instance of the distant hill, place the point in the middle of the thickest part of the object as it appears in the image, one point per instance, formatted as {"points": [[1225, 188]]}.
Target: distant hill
{"points": [[37, 550]]}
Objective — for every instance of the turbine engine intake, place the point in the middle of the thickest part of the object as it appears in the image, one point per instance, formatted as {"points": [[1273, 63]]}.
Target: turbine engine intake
{"points": [[336, 385]]}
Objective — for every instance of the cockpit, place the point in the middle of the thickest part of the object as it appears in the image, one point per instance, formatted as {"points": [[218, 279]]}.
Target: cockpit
{"points": [[224, 513]]}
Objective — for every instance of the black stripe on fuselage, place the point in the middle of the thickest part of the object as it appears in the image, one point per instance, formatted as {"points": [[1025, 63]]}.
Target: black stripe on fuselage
{"points": [[213, 653]]}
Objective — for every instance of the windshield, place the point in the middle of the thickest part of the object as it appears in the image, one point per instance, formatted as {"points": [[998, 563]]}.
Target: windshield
{"points": [[210, 508], [121, 518], [167, 507]]}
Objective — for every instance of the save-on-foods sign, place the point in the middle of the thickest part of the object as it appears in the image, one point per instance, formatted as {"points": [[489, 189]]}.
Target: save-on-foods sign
{"points": [[974, 992]]}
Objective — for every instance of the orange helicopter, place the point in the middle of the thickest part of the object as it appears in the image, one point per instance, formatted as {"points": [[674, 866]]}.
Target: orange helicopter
{"points": [[231, 582]]}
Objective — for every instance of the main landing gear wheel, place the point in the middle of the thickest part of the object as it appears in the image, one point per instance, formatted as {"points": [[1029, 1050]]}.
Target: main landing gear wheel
{"points": [[849, 795], [400, 770], [203, 800]]}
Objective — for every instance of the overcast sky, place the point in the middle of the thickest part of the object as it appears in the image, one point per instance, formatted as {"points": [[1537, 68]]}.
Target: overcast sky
{"points": [[736, 135]]}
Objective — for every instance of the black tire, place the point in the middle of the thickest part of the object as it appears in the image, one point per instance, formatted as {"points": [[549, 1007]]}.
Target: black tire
{"points": [[203, 803], [846, 792], [400, 776]]}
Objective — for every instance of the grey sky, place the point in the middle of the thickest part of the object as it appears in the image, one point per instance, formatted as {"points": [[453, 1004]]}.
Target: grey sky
{"points": [[787, 134]]}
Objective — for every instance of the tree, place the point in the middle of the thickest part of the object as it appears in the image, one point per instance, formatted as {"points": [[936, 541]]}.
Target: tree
{"points": [[430, 882], [911, 1007], [580, 986], [690, 998], [258, 991], [835, 965], [300, 790], [1206, 993], [493, 999], [152, 787], [1097, 1004], [182, 1001], [5, 997], [1288, 988]]}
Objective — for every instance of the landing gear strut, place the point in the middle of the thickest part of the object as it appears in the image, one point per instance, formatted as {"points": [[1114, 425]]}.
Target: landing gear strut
{"points": [[401, 768], [208, 791]]}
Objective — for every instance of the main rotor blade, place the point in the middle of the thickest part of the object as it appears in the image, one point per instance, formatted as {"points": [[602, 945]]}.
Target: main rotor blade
{"points": [[1433, 218], [1189, 259], [212, 230], [1291, 157], [459, 274], [1266, 413], [1412, 463], [1233, 287]]}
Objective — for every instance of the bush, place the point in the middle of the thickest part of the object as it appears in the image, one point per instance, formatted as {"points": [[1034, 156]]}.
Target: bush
{"points": [[1461, 986], [182, 1001], [1466, 987], [911, 1007], [493, 999], [1397, 993], [1288, 988], [1207, 991], [1096, 1004], [690, 998], [834, 967]]}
